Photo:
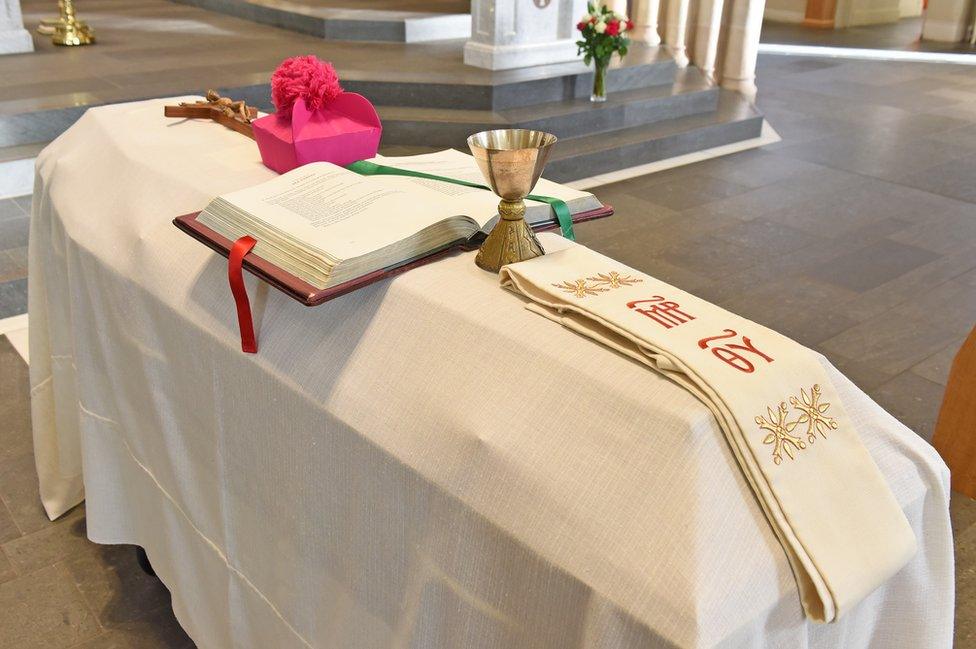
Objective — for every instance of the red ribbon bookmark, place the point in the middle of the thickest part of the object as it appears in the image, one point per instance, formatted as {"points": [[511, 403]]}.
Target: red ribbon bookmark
{"points": [[235, 274]]}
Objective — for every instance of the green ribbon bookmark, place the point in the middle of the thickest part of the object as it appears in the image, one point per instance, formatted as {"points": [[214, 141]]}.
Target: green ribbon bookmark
{"points": [[563, 215]]}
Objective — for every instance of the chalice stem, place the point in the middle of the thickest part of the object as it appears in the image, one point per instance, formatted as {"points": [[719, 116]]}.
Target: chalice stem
{"points": [[510, 241]]}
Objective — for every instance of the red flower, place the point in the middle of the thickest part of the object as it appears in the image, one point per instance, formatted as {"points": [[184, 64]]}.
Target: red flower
{"points": [[581, 25], [630, 25], [613, 27]]}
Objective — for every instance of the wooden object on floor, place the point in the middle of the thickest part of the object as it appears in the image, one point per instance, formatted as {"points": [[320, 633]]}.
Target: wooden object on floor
{"points": [[955, 432], [820, 14]]}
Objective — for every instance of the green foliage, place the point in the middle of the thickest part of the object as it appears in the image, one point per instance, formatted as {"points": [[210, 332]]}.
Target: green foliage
{"points": [[602, 32]]}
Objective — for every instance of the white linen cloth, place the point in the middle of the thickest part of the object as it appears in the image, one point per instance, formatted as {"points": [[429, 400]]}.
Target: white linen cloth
{"points": [[421, 463], [842, 529]]}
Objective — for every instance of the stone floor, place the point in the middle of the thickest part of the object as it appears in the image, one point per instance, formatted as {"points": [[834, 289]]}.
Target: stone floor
{"points": [[902, 35], [14, 222], [156, 48]]}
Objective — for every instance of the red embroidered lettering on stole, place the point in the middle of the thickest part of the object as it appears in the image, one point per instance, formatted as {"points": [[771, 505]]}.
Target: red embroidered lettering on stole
{"points": [[726, 354], [664, 312]]}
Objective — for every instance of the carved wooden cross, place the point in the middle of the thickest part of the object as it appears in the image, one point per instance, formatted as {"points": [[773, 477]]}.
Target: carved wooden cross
{"points": [[235, 115]]}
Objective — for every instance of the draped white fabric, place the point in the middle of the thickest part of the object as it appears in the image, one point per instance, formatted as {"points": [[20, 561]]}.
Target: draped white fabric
{"points": [[843, 531], [422, 463]]}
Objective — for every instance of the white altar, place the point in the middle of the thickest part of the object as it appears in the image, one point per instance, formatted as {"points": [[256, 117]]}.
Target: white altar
{"points": [[521, 33], [422, 463], [14, 39]]}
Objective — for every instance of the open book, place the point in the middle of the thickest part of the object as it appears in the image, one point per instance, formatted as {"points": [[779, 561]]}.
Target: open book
{"points": [[327, 225]]}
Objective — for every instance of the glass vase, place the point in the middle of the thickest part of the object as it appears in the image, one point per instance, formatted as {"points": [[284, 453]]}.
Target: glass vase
{"points": [[600, 80]]}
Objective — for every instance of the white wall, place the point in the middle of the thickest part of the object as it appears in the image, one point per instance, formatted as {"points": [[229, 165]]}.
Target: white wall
{"points": [[946, 20], [910, 8], [785, 11], [851, 13]]}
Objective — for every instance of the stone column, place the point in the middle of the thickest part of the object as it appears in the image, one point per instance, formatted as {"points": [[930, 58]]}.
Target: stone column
{"points": [[676, 30], [13, 37], [946, 20], [708, 27], [520, 33], [644, 14], [742, 47]]}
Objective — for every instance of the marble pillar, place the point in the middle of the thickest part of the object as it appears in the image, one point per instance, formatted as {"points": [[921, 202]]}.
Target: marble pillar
{"points": [[644, 14], [13, 37], [946, 21], [676, 30], [708, 29], [742, 47], [509, 34]]}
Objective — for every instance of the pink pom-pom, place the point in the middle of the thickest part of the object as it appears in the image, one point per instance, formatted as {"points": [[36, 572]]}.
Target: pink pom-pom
{"points": [[304, 77]]}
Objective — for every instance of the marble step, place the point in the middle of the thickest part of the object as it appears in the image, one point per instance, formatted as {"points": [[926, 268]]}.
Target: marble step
{"points": [[343, 24], [690, 94], [735, 119], [467, 89], [476, 89]]}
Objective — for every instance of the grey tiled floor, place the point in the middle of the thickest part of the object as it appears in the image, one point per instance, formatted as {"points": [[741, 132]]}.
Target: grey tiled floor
{"points": [[57, 589], [14, 223], [901, 35], [856, 235]]}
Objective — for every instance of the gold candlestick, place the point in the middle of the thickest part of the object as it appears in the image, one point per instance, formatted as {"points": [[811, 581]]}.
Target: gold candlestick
{"points": [[69, 30], [512, 161]]}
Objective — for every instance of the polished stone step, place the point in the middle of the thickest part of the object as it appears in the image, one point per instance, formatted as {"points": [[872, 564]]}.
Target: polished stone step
{"points": [[476, 89], [691, 93], [531, 87], [37, 126], [734, 120], [654, 110], [345, 24]]}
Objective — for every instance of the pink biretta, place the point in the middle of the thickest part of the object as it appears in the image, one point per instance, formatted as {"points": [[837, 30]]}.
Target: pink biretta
{"points": [[315, 119]]}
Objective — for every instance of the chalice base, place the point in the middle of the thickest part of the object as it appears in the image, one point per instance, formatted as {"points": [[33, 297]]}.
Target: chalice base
{"points": [[508, 242]]}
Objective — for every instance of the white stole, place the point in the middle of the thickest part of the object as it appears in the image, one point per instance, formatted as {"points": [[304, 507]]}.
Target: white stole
{"points": [[842, 529]]}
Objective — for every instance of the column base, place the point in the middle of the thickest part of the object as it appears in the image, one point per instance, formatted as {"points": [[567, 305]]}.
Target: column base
{"points": [[646, 35], [680, 55], [745, 87], [15, 41], [818, 23], [944, 31], [506, 57]]}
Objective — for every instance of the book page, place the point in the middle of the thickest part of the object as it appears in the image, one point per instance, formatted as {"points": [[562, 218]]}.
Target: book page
{"points": [[451, 163], [479, 204], [340, 212]]}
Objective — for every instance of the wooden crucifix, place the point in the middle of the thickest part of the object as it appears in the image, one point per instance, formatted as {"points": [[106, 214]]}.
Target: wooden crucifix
{"points": [[235, 115]]}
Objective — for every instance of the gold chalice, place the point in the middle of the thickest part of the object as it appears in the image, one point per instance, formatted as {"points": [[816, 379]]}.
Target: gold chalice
{"points": [[511, 160]]}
